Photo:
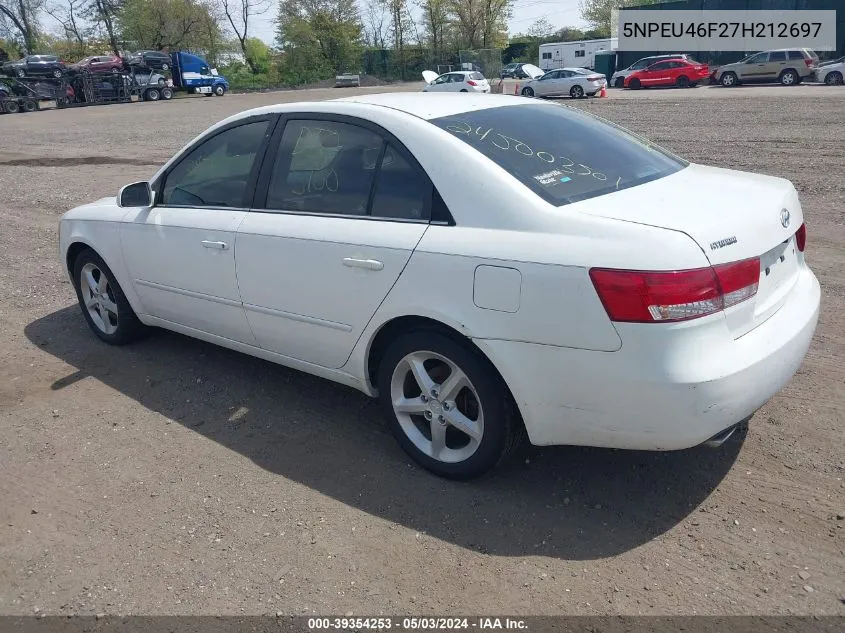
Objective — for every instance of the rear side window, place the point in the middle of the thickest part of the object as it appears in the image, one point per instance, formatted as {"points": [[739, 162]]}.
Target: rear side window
{"points": [[477, 76], [796, 55], [778, 56], [562, 154]]}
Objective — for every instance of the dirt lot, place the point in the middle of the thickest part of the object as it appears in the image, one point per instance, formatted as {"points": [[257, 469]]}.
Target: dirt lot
{"points": [[175, 477]]}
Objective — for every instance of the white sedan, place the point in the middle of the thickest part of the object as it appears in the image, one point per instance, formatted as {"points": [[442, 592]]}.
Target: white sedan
{"points": [[458, 81], [565, 82], [487, 266], [832, 74]]}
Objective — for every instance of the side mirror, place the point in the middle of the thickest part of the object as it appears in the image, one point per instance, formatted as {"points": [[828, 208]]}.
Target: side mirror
{"points": [[138, 194]]}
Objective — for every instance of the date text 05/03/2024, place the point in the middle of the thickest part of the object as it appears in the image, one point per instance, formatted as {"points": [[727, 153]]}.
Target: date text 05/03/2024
{"points": [[416, 623]]}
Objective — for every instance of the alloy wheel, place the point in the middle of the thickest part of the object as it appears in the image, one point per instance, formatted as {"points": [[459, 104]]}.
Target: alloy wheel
{"points": [[437, 406], [99, 298]]}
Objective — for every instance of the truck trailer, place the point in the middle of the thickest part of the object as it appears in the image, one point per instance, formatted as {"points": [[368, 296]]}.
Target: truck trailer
{"points": [[574, 54]]}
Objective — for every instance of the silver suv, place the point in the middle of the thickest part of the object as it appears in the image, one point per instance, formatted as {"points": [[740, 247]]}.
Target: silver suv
{"points": [[787, 66]]}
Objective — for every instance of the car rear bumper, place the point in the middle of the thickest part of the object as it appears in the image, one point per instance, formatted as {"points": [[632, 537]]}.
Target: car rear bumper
{"points": [[659, 392]]}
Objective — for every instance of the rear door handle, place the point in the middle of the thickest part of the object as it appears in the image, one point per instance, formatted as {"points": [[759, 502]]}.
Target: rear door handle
{"points": [[221, 246], [368, 264]]}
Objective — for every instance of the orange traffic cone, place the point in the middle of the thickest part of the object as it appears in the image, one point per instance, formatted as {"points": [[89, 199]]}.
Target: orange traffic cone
{"points": [[516, 89], [603, 92]]}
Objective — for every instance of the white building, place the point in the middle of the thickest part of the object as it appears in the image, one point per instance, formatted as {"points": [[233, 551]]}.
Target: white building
{"points": [[574, 54]]}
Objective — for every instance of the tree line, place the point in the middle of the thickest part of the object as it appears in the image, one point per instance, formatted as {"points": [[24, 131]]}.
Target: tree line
{"points": [[314, 38]]}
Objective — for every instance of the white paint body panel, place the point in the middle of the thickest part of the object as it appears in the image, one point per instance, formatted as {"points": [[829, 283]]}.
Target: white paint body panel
{"points": [[577, 377]]}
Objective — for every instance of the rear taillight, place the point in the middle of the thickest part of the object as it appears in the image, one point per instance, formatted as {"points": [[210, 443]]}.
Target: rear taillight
{"points": [[595, 77], [801, 237], [665, 296], [471, 82], [809, 62]]}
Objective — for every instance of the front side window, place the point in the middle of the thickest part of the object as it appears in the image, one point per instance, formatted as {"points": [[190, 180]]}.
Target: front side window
{"points": [[561, 153], [759, 58], [215, 174]]}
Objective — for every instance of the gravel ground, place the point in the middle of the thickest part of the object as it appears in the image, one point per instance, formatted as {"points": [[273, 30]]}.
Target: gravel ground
{"points": [[173, 477]]}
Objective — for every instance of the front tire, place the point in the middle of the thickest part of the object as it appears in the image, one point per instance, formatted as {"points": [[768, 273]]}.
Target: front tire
{"points": [[576, 92], [219, 91], [165, 66], [446, 405], [634, 84], [102, 301], [527, 92], [57, 73], [834, 78]]}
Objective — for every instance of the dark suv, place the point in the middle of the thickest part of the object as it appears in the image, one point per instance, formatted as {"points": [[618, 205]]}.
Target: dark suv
{"points": [[151, 59], [32, 65]]}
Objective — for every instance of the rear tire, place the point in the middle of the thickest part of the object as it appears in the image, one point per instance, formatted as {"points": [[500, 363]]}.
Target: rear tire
{"points": [[166, 94], [102, 301], [152, 94], [57, 73], [682, 82], [12, 107], [788, 78], [619, 83], [430, 425], [576, 92], [30, 106], [165, 66]]}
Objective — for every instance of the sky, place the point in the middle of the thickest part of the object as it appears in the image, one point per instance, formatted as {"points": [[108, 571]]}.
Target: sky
{"points": [[559, 12]]}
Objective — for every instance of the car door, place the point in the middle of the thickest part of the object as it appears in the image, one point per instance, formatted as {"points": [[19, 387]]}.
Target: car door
{"points": [[652, 75], [753, 68], [340, 208], [776, 63], [440, 84], [180, 253], [675, 69], [545, 85]]}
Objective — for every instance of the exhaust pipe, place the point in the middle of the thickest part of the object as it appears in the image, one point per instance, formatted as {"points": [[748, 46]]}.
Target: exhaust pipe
{"points": [[721, 437]]}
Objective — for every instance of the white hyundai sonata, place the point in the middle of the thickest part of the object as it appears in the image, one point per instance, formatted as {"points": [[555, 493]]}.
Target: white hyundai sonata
{"points": [[487, 266]]}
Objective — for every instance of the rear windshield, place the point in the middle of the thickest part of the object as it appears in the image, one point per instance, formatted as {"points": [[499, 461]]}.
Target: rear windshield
{"points": [[561, 153]]}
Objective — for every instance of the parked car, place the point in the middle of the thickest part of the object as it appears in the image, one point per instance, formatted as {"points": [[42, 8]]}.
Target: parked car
{"points": [[5, 90], [100, 64], [617, 80], [521, 70], [34, 65], [683, 73], [565, 82], [831, 73], [150, 79], [151, 59], [456, 81], [788, 66], [593, 317]]}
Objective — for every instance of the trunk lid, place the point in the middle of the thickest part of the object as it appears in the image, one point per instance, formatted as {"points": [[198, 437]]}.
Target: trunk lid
{"points": [[732, 216]]}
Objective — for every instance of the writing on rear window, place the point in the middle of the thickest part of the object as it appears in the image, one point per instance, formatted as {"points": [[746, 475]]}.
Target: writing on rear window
{"points": [[561, 153]]}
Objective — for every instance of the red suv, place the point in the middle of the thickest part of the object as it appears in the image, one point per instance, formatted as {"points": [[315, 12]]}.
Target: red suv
{"points": [[683, 73], [100, 64]]}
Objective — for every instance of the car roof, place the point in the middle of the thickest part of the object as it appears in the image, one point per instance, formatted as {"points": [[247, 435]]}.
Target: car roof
{"points": [[422, 105]]}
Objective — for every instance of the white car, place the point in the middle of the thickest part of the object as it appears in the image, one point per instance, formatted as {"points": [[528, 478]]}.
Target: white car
{"points": [[457, 81], [565, 82], [486, 265], [831, 74]]}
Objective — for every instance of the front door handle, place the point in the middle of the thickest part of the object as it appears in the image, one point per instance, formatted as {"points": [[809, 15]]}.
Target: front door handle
{"points": [[369, 264], [221, 246]]}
